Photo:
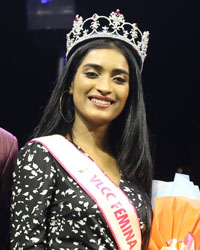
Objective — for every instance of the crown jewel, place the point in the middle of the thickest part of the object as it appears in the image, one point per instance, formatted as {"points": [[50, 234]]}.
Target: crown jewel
{"points": [[113, 26]]}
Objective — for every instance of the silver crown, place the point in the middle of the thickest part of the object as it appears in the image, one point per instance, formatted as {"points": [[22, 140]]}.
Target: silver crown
{"points": [[113, 26]]}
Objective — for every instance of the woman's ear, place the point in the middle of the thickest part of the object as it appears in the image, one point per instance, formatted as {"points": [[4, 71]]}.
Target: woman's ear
{"points": [[71, 88]]}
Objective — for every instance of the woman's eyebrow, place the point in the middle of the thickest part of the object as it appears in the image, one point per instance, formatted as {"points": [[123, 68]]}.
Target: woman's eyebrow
{"points": [[93, 65], [99, 68], [121, 71]]}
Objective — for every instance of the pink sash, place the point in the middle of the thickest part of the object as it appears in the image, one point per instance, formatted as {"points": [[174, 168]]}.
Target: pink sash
{"points": [[114, 205]]}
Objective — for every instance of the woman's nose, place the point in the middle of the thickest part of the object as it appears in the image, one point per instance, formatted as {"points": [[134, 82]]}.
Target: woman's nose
{"points": [[104, 86]]}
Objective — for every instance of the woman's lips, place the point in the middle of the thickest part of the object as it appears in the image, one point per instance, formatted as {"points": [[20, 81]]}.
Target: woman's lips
{"points": [[101, 101]]}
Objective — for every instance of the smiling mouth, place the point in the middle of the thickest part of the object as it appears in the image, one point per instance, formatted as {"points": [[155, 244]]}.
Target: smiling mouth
{"points": [[103, 102]]}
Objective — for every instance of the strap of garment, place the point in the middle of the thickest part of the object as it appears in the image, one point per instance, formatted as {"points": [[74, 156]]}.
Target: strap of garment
{"points": [[113, 203]]}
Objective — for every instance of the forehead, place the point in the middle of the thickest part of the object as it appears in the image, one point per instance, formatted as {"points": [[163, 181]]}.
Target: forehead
{"points": [[111, 58]]}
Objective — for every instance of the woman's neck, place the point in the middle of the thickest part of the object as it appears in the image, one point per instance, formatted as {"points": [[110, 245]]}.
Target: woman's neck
{"points": [[94, 141], [91, 137]]}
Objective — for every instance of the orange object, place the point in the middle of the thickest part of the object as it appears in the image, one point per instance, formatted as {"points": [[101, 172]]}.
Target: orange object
{"points": [[175, 217]]}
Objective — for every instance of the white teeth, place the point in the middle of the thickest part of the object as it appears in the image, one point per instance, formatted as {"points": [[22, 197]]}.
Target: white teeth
{"points": [[101, 101]]}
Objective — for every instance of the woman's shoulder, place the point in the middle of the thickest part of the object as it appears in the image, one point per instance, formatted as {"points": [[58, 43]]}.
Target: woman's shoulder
{"points": [[34, 161], [33, 146], [33, 152]]}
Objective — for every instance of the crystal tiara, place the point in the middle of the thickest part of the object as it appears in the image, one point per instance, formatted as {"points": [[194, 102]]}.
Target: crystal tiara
{"points": [[113, 26]]}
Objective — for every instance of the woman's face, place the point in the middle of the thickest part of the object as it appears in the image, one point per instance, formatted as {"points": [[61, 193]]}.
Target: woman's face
{"points": [[100, 87]]}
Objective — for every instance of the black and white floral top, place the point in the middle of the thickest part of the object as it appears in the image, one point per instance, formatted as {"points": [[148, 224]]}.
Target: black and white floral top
{"points": [[49, 210]]}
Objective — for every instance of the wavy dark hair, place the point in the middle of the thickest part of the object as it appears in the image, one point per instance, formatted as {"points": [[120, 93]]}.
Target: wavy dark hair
{"points": [[129, 140]]}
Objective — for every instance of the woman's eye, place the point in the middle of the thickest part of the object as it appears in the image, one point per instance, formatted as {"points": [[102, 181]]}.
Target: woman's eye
{"points": [[119, 79], [91, 74]]}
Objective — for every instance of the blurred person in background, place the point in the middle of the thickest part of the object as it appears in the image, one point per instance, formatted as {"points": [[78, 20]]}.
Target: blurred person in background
{"points": [[8, 153]]}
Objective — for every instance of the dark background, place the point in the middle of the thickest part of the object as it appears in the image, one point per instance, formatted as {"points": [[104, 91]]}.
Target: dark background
{"points": [[29, 68]]}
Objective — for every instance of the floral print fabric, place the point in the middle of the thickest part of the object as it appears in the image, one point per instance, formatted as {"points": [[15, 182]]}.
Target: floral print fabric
{"points": [[49, 210]]}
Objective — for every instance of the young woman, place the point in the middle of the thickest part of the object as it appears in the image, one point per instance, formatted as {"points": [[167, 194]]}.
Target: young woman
{"points": [[95, 123]]}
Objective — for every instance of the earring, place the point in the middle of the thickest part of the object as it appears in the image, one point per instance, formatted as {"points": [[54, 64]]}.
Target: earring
{"points": [[61, 112]]}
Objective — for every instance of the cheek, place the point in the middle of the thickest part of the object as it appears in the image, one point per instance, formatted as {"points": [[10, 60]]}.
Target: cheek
{"points": [[79, 95], [124, 95], [81, 85]]}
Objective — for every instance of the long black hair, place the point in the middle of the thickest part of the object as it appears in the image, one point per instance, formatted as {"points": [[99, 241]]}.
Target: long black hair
{"points": [[129, 140]]}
